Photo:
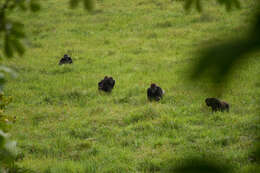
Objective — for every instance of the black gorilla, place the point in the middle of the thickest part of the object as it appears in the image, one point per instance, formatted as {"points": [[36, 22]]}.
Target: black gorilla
{"points": [[154, 92], [217, 105], [65, 60], [107, 84]]}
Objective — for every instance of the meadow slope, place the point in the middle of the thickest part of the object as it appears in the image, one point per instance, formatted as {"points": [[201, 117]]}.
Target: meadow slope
{"points": [[65, 125]]}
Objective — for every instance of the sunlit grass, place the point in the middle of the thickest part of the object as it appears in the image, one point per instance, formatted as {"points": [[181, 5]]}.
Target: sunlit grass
{"points": [[64, 124]]}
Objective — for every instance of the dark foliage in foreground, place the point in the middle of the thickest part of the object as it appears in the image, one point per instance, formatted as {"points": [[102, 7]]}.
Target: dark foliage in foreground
{"points": [[214, 62]]}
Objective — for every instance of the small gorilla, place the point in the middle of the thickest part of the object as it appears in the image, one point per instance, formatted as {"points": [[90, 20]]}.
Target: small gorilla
{"points": [[107, 84], [154, 92], [65, 60], [217, 105]]}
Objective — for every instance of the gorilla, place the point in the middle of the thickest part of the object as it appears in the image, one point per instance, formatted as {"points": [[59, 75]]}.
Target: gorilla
{"points": [[65, 60], [217, 105], [154, 92], [107, 84]]}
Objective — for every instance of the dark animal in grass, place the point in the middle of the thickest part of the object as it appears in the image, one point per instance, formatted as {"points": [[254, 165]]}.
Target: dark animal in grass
{"points": [[65, 60], [217, 105], [107, 84], [154, 92]]}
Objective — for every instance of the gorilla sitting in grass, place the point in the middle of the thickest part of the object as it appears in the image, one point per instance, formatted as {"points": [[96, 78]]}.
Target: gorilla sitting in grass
{"points": [[217, 105], [107, 84], [154, 92], [65, 60]]}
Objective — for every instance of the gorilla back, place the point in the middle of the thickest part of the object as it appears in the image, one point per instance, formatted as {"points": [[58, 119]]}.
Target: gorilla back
{"points": [[154, 92], [107, 84], [65, 60], [217, 105]]}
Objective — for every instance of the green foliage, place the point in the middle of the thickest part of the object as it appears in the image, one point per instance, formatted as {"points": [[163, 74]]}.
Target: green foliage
{"points": [[4, 71], [199, 165], [7, 147], [4, 119], [229, 4], [88, 4], [12, 31], [217, 62], [74, 128], [139, 126], [7, 150]]}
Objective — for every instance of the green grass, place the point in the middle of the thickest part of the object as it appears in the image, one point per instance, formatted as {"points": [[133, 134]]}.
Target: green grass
{"points": [[65, 125]]}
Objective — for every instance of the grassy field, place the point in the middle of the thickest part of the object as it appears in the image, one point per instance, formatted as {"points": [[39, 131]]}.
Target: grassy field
{"points": [[64, 124]]}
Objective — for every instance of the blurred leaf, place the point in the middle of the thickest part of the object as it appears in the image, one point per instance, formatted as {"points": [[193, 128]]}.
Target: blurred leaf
{"points": [[6, 156], [2, 138], [229, 4], [7, 47], [217, 61], [4, 69], [7, 150], [14, 32], [197, 165], [8, 70], [2, 81], [89, 4], [17, 30], [34, 6], [21, 5], [18, 46], [74, 3], [11, 147], [198, 5], [188, 4], [254, 156]]}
